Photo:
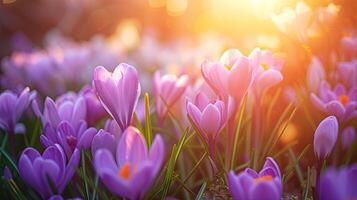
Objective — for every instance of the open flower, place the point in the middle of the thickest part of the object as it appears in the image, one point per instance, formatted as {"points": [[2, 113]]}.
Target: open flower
{"points": [[40, 172], [251, 185], [209, 116], [133, 170], [231, 76], [338, 184], [325, 137], [338, 102], [167, 91], [118, 92], [11, 108]]}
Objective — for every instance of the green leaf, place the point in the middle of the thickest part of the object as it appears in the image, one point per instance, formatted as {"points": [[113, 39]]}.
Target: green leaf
{"points": [[9, 162], [202, 190], [148, 130], [84, 175]]}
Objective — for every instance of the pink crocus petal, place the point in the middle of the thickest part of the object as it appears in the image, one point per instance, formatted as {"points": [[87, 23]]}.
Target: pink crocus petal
{"points": [[70, 169], [115, 184], [210, 121], [132, 147], [50, 113], [317, 102], [103, 159], [156, 153], [325, 137], [229, 57], [269, 162], [240, 78], [268, 79], [139, 184], [216, 75]]}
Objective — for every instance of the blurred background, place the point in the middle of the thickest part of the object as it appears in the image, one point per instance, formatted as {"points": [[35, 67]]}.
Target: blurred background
{"points": [[167, 19]]}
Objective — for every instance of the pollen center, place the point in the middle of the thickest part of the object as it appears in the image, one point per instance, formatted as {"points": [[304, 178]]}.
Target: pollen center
{"points": [[265, 66], [263, 178], [344, 99], [124, 171]]}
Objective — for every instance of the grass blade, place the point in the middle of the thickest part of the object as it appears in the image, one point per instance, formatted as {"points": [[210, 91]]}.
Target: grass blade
{"points": [[148, 130], [202, 190]]}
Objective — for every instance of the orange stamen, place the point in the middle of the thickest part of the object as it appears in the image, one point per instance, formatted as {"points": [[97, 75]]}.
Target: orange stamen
{"points": [[344, 99], [265, 66], [124, 171], [263, 178]]}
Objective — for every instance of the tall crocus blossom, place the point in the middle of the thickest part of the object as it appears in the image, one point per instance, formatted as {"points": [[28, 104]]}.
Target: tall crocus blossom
{"points": [[118, 92], [266, 70], [131, 173], [231, 76], [11, 108], [325, 137], [167, 90], [338, 184], [348, 137], [38, 170], [249, 184], [337, 101], [209, 116]]}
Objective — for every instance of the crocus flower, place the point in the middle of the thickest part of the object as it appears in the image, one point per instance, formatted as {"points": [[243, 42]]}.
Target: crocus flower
{"points": [[231, 76], [266, 70], [133, 170], [67, 108], [11, 108], [325, 137], [338, 102], [209, 116], [294, 22], [348, 137], [68, 137], [251, 185], [37, 170], [338, 184], [118, 92], [349, 46], [167, 90], [315, 74]]}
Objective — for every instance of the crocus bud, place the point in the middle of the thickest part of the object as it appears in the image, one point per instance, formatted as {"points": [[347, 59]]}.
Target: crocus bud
{"points": [[348, 137], [325, 137]]}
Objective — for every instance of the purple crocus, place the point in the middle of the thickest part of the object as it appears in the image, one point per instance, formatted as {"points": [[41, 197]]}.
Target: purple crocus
{"points": [[339, 102], [68, 137], [167, 90], [37, 170], [66, 108], [249, 184], [348, 137], [131, 173], [348, 72], [315, 74], [118, 92], [338, 184], [11, 108], [325, 137], [209, 116]]}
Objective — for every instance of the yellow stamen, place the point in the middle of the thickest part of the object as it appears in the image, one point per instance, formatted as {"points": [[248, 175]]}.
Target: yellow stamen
{"points": [[265, 66], [124, 171], [228, 67], [344, 99], [263, 178]]}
